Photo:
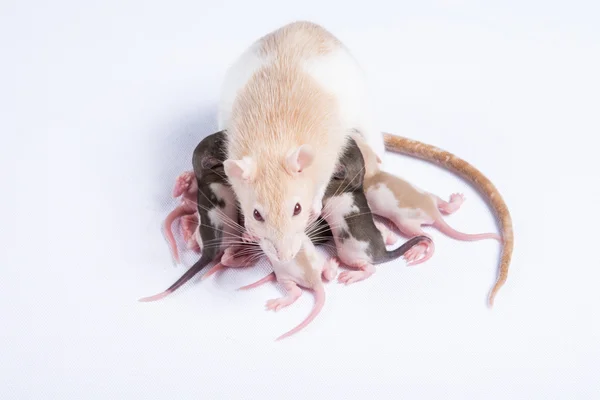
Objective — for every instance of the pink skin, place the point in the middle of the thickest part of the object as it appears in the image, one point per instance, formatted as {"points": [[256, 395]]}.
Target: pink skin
{"points": [[388, 235], [293, 292], [217, 267], [365, 270], [185, 186], [411, 228], [268, 278]]}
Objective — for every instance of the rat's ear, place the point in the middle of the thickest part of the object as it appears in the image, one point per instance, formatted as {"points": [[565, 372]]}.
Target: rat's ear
{"points": [[300, 159], [339, 172], [240, 169], [209, 162]]}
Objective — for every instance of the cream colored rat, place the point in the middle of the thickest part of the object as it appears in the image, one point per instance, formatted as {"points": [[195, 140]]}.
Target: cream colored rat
{"points": [[288, 103]]}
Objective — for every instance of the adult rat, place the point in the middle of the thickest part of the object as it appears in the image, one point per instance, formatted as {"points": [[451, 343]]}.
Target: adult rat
{"points": [[287, 104]]}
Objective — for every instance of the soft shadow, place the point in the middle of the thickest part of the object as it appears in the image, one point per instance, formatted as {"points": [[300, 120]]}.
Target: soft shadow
{"points": [[175, 146]]}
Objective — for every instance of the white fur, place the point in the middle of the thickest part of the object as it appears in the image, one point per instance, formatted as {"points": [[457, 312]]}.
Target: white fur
{"points": [[383, 202], [217, 219], [337, 72], [236, 78], [336, 208], [340, 74]]}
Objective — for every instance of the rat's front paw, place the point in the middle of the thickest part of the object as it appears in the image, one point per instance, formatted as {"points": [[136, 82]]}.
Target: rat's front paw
{"points": [[183, 183], [330, 269]]}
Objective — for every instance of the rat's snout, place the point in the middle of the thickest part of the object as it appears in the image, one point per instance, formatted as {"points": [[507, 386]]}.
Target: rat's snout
{"points": [[287, 249], [285, 255]]}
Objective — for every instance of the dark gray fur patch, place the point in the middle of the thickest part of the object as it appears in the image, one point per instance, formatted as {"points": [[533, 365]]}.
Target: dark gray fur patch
{"points": [[343, 235]]}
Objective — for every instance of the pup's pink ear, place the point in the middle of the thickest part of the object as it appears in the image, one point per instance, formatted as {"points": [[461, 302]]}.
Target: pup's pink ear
{"points": [[378, 159], [300, 159], [240, 169]]}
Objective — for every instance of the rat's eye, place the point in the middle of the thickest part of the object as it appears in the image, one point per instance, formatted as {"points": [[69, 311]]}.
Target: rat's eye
{"points": [[257, 216], [297, 209]]}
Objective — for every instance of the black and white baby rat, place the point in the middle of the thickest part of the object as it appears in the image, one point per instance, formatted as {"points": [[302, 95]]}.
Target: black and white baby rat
{"points": [[216, 207], [358, 241]]}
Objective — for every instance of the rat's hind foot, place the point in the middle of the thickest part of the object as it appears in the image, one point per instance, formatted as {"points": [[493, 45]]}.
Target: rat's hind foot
{"points": [[419, 254], [183, 183], [365, 271], [232, 259], [456, 200], [293, 293], [330, 269], [189, 223]]}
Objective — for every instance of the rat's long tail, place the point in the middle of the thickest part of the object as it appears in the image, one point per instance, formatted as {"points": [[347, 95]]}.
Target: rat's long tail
{"points": [[438, 156], [447, 230], [319, 303], [194, 269], [399, 252]]}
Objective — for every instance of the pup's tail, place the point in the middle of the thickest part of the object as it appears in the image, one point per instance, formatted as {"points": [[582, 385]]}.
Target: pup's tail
{"points": [[319, 303], [194, 269], [448, 160], [447, 230]]}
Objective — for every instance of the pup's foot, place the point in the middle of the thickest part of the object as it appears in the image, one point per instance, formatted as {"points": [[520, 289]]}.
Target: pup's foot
{"points": [[419, 254], [389, 237], [183, 183], [330, 269], [216, 268], [349, 277], [232, 257], [456, 200], [189, 223], [293, 292]]}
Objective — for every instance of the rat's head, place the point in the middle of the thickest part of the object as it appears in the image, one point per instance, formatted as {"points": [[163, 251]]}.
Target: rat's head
{"points": [[276, 195]]}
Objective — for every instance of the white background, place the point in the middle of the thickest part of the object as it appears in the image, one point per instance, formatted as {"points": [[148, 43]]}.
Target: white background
{"points": [[101, 105]]}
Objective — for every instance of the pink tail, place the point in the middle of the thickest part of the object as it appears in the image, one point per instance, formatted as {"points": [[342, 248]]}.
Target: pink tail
{"points": [[446, 229], [268, 278], [319, 303], [173, 215], [217, 267], [155, 297]]}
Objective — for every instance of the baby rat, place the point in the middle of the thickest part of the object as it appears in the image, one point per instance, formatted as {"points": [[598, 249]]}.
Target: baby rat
{"points": [[358, 241], [441, 157], [287, 104], [305, 270], [409, 207], [216, 206]]}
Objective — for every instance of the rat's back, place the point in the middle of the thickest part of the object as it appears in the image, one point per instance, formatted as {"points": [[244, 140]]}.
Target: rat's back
{"points": [[316, 60]]}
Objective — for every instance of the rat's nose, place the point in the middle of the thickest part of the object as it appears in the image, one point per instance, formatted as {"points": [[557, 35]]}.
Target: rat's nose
{"points": [[285, 255]]}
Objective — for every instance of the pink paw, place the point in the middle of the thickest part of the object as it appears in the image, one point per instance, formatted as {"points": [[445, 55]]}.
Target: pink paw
{"points": [[330, 269], [183, 183], [456, 200], [390, 238], [188, 226], [414, 253], [349, 277], [278, 304]]}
